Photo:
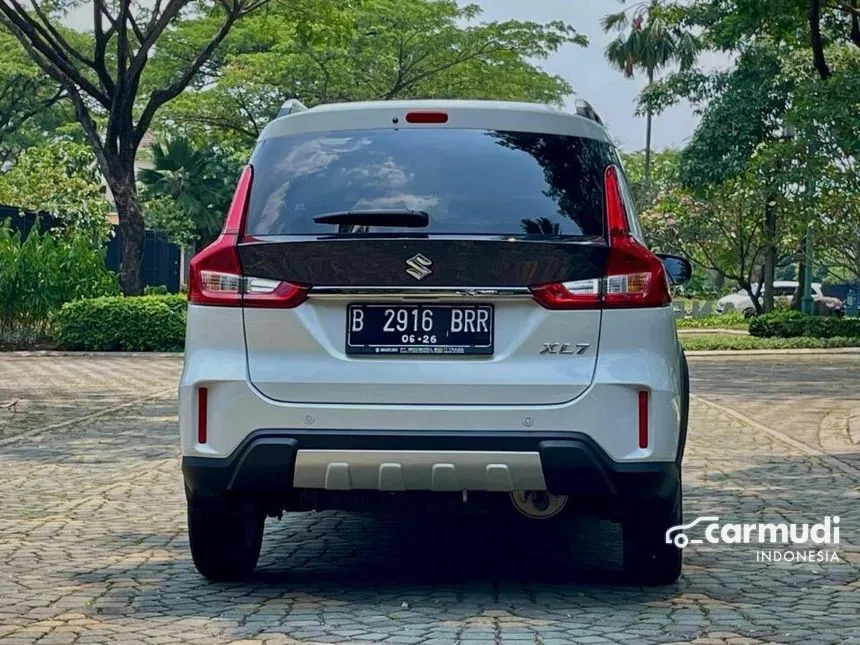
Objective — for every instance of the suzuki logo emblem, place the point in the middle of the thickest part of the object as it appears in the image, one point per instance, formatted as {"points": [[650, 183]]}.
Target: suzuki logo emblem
{"points": [[564, 348], [419, 267]]}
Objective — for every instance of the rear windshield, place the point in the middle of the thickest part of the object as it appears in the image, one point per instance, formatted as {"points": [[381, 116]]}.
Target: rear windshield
{"points": [[469, 182]]}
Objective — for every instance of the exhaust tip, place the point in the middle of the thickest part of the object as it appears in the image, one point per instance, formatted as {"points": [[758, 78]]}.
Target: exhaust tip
{"points": [[538, 504]]}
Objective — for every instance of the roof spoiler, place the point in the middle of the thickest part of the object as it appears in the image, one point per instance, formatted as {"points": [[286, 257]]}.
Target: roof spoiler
{"points": [[291, 106], [584, 108]]}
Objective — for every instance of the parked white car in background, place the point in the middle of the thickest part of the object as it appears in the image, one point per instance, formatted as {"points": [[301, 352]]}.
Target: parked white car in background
{"points": [[741, 301]]}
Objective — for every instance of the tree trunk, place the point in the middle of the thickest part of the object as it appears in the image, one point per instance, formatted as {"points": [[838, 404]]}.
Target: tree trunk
{"points": [[759, 281], [855, 24], [769, 255], [754, 294], [648, 119], [816, 41], [797, 300], [131, 227]]}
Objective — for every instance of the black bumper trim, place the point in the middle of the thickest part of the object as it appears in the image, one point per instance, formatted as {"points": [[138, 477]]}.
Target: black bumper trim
{"points": [[572, 463]]}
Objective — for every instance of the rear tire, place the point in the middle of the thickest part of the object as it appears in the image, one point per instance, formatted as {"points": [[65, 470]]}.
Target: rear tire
{"points": [[225, 538], [648, 560]]}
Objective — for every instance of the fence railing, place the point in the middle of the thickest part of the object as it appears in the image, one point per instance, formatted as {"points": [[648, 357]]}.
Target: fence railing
{"points": [[160, 264]]}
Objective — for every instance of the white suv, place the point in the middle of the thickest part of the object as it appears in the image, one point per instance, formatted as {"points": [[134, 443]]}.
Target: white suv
{"points": [[449, 304], [782, 290]]}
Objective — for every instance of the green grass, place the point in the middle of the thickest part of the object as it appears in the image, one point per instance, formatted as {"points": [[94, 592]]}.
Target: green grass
{"points": [[733, 320], [710, 342]]}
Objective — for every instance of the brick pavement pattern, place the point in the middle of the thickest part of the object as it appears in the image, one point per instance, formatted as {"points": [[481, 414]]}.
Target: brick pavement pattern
{"points": [[93, 547], [818, 404]]}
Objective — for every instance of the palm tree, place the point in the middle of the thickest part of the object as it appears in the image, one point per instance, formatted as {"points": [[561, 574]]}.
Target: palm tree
{"points": [[647, 42], [540, 226], [197, 181]]}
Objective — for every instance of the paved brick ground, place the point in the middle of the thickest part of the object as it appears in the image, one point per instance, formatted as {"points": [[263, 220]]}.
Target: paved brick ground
{"points": [[57, 389], [93, 546], [817, 403]]}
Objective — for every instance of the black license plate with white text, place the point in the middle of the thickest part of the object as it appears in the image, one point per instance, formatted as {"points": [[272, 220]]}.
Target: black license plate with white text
{"points": [[419, 329]]}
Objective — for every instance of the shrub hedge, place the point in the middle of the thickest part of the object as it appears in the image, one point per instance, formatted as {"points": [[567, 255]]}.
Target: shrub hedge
{"points": [[44, 270], [731, 320], [138, 324], [734, 342], [792, 324]]}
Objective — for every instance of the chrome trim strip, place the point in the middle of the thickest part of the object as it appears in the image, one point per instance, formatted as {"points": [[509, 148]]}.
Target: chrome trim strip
{"points": [[428, 292], [402, 470]]}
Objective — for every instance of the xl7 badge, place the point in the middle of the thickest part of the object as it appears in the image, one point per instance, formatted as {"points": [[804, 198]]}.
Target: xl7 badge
{"points": [[564, 348]]}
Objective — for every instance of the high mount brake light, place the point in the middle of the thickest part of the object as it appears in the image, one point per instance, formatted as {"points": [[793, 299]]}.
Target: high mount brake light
{"points": [[215, 274], [427, 117], [634, 276]]}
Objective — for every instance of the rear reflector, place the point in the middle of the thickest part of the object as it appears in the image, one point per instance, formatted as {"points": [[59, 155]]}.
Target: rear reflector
{"points": [[643, 419], [215, 274], [202, 414], [427, 117], [633, 277]]}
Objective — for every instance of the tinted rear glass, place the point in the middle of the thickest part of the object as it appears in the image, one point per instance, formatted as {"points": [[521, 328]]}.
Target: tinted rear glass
{"points": [[470, 182]]}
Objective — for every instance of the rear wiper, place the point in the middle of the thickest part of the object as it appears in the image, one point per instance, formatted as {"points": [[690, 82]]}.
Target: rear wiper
{"points": [[376, 217]]}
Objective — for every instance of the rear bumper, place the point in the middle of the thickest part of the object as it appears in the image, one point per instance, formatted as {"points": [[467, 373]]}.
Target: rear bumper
{"points": [[275, 463], [607, 413]]}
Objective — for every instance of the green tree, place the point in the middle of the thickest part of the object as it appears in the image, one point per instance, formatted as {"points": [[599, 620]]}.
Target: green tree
{"points": [[338, 50], [188, 189], [110, 81], [839, 237], [772, 84], [31, 109], [648, 42], [720, 229], [808, 26], [665, 175], [62, 179]]}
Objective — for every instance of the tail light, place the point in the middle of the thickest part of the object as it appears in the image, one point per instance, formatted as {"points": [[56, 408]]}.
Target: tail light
{"points": [[634, 276], [215, 274]]}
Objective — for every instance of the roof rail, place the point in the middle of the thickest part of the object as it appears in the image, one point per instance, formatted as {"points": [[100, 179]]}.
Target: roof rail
{"points": [[584, 108], [291, 106]]}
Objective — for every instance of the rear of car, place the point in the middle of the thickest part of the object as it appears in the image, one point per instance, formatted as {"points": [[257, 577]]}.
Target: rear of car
{"points": [[426, 301]]}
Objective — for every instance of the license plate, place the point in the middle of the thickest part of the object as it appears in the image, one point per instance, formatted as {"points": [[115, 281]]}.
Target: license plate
{"points": [[419, 329]]}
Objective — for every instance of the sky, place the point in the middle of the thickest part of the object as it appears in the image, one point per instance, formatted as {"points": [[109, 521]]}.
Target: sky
{"points": [[592, 78], [585, 68]]}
